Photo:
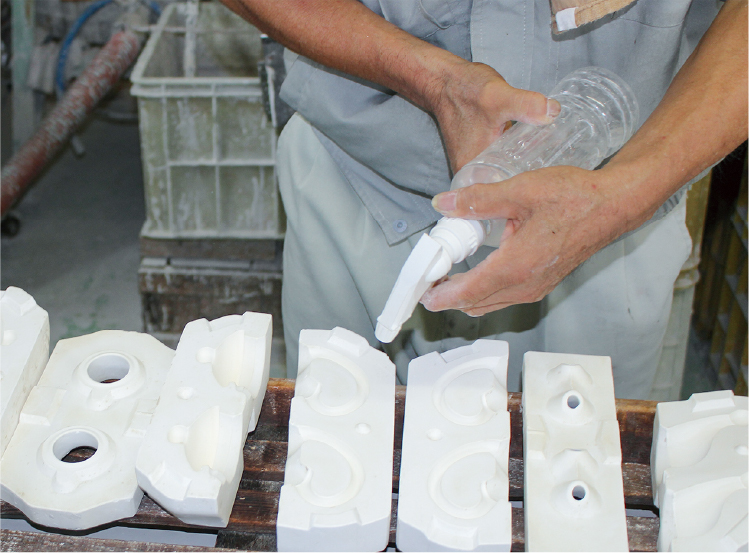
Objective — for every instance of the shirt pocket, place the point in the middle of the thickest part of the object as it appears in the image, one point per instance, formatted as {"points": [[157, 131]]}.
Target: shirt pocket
{"points": [[658, 13], [422, 18]]}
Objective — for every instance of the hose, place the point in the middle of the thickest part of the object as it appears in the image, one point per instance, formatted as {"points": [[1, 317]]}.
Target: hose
{"points": [[68, 40], [73, 32]]}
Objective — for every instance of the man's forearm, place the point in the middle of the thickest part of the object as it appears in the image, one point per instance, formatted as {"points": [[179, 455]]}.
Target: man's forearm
{"points": [[701, 119], [347, 36]]}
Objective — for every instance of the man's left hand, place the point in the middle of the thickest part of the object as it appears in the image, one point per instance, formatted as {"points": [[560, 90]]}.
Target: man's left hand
{"points": [[557, 218]]}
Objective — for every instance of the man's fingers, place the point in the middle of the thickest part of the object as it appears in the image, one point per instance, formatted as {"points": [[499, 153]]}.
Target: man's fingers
{"points": [[531, 107], [479, 311], [445, 295], [481, 201], [469, 290], [504, 278]]}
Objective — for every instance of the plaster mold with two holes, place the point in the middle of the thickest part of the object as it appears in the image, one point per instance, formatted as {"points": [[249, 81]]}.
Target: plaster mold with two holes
{"points": [[574, 496], [24, 351], [97, 391], [453, 488], [699, 472], [192, 457], [337, 490]]}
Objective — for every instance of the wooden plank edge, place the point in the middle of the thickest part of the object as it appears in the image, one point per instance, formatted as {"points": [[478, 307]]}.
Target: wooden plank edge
{"points": [[14, 540]]}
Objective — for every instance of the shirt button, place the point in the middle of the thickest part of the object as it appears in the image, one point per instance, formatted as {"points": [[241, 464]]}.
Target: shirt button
{"points": [[400, 225]]}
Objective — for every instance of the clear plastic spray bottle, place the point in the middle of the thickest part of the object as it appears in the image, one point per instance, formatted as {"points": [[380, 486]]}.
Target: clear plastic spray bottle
{"points": [[599, 113]]}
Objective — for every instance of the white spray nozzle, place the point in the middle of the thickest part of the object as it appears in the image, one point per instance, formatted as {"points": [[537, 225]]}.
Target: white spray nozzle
{"points": [[449, 242]]}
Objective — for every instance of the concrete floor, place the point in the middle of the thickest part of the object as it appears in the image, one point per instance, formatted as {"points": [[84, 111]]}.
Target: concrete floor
{"points": [[77, 250]]}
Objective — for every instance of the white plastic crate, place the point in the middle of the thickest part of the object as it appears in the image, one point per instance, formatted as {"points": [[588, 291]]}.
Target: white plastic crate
{"points": [[208, 148]]}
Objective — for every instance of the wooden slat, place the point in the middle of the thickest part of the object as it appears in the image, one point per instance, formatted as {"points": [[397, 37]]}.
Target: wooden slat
{"points": [[254, 511], [12, 540], [636, 429], [643, 533], [637, 485], [211, 248], [246, 542], [514, 406], [173, 295], [277, 403], [400, 409]]}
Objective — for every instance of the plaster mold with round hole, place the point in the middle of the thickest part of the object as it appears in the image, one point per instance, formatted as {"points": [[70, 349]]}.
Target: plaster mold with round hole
{"points": [[191, 460], [97, 391], [24, 351], [574, 496], [453, 487], [337, 490], [699, 472]]}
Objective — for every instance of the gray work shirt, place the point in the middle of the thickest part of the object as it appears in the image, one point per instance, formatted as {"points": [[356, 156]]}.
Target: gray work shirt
{"points": [[391, 152]]}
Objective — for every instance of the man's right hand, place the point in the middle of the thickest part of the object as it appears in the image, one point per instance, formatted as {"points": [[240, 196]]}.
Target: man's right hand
{"points": [[474, 105]]}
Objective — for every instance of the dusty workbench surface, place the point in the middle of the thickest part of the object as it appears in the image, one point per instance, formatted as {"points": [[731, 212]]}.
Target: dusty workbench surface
{"points": [[253, 521]]}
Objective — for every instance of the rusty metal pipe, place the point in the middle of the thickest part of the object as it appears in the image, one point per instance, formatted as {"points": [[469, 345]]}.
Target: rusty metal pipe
{"points": [[70, 112]]}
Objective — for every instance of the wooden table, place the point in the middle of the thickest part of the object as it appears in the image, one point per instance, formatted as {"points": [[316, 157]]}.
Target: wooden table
{"points": [[253, 520]]}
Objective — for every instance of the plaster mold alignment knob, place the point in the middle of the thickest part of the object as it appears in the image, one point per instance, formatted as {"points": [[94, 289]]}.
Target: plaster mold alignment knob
{"points": [[599, 114], [453, 488], [699, 471], [24, 351], [337, 490], [98, 391], [192, 456], [574, 496]]}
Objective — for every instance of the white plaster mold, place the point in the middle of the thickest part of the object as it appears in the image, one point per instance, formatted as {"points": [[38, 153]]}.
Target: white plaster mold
{"points": [[337, 486], [191, 459], [574, 496], [24, 351], [699, 472], [453, 490], [97, 391]]}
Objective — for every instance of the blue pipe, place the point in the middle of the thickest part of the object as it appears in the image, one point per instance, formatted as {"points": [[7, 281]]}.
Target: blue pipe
{"points": [[63, 58], [155, 8], [74, 30]]}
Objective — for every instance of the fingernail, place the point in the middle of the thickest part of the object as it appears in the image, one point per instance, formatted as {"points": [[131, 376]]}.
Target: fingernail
{"points": [[427, 303], [552, 108], [445, 202]]}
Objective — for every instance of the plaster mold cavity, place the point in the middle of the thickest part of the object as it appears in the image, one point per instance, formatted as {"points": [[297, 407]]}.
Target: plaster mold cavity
{"points": [[24, 351], [453, 490], [337, 487], [191, 460], [98, 392], [574, 497], [700, 479]]}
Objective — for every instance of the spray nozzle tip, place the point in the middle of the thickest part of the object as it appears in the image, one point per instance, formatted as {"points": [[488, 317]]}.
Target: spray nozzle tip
{"points": [[385, 334]]}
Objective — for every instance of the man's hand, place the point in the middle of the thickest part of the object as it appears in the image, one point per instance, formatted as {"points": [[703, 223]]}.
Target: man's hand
{"points": [[473, 106], [557, 218]]}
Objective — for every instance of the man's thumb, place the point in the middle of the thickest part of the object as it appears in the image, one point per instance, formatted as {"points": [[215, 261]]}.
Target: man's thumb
{"points": [[532, 107]]}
